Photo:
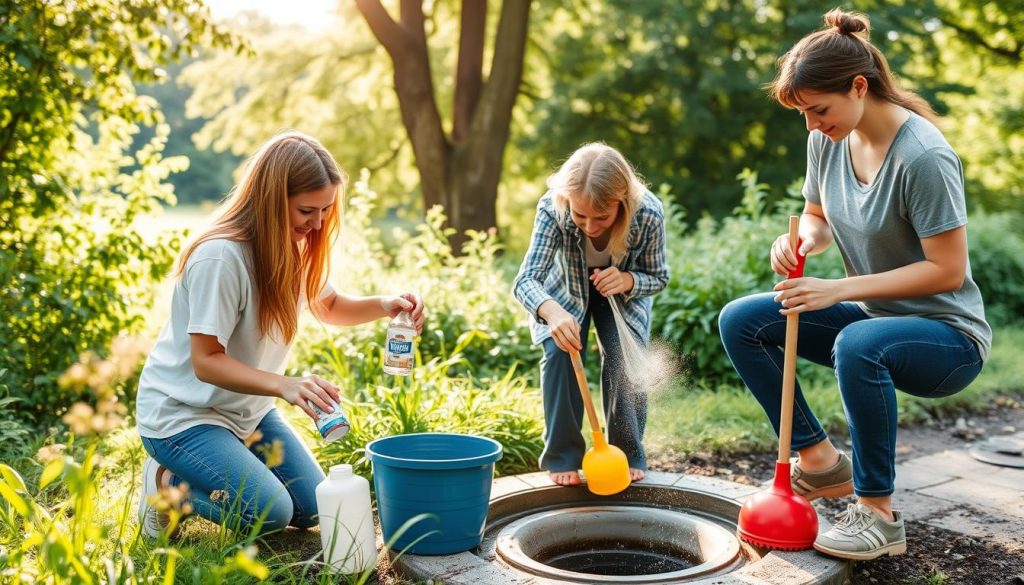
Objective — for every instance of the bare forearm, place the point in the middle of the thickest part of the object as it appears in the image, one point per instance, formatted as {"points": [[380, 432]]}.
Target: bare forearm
{"points": [[919, 279], [226, 372], [815, 228], [346, 310]]}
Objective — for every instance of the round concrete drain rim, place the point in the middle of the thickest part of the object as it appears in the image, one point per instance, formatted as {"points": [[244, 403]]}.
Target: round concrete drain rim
{"points": [[706, 546]]}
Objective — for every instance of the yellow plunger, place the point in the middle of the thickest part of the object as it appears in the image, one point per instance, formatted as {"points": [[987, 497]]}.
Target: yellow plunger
{"points": [[604, 465]]}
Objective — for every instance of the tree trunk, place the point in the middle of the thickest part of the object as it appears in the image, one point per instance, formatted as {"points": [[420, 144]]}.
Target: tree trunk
{"points": [[476, 164], [462, 174]]}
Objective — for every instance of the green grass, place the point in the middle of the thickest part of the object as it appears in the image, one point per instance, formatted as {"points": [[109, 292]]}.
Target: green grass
{"points": [[727, 419]]}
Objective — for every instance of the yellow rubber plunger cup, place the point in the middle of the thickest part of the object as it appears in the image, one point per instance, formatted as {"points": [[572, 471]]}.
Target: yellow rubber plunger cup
{"points": [[604, 465]]}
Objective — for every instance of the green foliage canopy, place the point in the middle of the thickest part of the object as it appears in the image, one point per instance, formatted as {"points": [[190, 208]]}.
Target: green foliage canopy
{"points": [[677, 86], [73, 270]]}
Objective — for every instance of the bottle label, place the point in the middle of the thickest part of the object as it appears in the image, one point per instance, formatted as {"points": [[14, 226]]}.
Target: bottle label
{"points": [[399, 346], [333, 425], [398, 354]]}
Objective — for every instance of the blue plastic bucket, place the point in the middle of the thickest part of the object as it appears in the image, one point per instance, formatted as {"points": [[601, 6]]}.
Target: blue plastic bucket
{"points": [[446, 475]]}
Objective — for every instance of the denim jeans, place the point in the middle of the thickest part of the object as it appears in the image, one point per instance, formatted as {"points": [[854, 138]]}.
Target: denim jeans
{"points": [[872, 356], [625, 405], [229, 482]]}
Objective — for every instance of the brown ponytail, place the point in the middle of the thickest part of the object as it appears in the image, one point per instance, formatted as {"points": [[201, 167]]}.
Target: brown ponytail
{"points": [[827, 61]]}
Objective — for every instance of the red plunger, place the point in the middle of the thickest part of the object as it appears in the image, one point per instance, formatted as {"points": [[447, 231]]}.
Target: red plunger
{"points": [[778, 518]]}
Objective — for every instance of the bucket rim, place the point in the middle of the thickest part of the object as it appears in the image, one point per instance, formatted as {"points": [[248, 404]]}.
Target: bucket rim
{"points": [[489, 457]]}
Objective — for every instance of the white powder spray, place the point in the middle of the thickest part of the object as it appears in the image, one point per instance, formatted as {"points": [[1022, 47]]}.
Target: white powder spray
{"points": [[651, 368]]}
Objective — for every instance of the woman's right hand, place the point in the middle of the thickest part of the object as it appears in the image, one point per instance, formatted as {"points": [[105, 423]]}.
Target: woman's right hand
{"points": [[565, 331], [311, 388], [782, 256]]}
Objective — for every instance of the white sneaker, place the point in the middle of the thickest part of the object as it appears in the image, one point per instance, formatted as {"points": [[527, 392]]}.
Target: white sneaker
{"points": [[859, 534], [153, 521]]}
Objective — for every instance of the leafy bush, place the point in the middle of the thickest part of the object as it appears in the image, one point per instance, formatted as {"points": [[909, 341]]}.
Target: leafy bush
{"points": [[715, 262], [73, 270], [15, 433], [997, 264], [75, 277]]}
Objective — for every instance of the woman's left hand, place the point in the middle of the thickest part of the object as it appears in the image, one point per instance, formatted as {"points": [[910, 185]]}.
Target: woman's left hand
{"points": [[798, 295], [612, 281], [405, 302]]}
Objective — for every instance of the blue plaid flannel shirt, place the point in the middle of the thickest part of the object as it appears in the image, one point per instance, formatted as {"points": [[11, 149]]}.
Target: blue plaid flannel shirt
{"points": [[555, 266]]}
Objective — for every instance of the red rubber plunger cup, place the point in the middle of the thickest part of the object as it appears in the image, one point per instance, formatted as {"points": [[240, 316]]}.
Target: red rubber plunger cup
{"points": [[777, 518]]}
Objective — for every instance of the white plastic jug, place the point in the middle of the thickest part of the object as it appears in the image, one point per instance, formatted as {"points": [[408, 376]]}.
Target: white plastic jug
{"points": [[346, 522]]}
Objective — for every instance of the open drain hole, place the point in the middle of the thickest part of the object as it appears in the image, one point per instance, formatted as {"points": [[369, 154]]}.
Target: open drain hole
{"points": [[617, 557], [618, 544]]}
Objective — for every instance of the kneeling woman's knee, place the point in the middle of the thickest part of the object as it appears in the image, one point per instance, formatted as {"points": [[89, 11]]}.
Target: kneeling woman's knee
{"points": [[270, 512]]}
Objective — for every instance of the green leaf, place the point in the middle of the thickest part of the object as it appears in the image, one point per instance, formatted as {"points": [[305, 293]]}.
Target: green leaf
{"points": [[16, 501], [51, 472]]}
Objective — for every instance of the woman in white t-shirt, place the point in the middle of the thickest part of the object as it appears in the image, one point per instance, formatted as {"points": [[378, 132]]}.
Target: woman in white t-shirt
{"points": [[205, 406]]}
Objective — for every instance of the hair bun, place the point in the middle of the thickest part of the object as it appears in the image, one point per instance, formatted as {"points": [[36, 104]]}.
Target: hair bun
{"points": [[848, 23]]}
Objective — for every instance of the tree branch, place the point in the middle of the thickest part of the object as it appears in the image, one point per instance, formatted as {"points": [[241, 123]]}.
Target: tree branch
{"points": [[469, 71], [382, 25]]}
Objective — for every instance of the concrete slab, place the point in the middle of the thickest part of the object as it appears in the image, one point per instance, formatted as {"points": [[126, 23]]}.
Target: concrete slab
{"points": [[914, 475], [1008, 477], [918, 506], [980, 494], [954, 462], [504, 486], [713, 485]]}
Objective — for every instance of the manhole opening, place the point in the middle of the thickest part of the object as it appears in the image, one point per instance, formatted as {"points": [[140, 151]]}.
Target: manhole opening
{"points": [[620, 544], [617, 557]]}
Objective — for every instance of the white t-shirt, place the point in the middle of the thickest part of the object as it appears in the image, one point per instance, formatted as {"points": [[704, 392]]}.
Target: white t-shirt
{"points": [[597, 258], [215, 296]]}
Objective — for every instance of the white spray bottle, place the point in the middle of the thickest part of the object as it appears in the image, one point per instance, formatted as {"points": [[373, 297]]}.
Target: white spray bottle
{"points": [[346, 521]]}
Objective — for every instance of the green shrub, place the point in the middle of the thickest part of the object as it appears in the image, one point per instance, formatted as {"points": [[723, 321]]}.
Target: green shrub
{"points": [[15, 433], [715, 262], [997, 264], [74, 277], [73, 270]]}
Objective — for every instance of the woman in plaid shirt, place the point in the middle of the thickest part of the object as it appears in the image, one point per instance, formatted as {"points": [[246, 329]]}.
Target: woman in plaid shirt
{"points": [[599, 232]]}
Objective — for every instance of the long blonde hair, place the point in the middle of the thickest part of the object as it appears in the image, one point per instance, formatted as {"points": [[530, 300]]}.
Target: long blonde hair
{"points": [[256, 214], [602, 175], [828, 60]]}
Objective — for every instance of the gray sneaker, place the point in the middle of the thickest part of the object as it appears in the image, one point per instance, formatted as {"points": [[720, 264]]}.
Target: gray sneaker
{"points": [[834, 482], [859, 534]]}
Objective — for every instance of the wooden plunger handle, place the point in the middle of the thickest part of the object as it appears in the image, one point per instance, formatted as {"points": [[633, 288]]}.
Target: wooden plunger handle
{"points": [[581, 378], [789, 360]]}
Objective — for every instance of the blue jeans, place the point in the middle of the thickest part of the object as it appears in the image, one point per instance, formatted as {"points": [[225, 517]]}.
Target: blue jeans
{"points": [[625, 405], [872, 356], [229, 482]]}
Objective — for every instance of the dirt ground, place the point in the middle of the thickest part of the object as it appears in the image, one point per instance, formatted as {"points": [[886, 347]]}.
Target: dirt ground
{"points": [[934, 556]]}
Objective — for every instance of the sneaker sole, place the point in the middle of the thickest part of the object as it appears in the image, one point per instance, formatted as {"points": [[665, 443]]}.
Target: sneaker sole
{"points": [[896, 548], [833, 491]]}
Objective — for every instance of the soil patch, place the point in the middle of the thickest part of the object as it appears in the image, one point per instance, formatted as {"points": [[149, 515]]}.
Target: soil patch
{"points": [[934, 556]]}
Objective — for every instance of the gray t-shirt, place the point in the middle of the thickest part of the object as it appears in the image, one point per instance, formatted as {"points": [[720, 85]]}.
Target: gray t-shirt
{"points": [[918, 193]]}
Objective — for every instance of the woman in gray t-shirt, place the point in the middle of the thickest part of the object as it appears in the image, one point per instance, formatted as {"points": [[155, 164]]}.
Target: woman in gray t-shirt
{"points": [[885, 186]]}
